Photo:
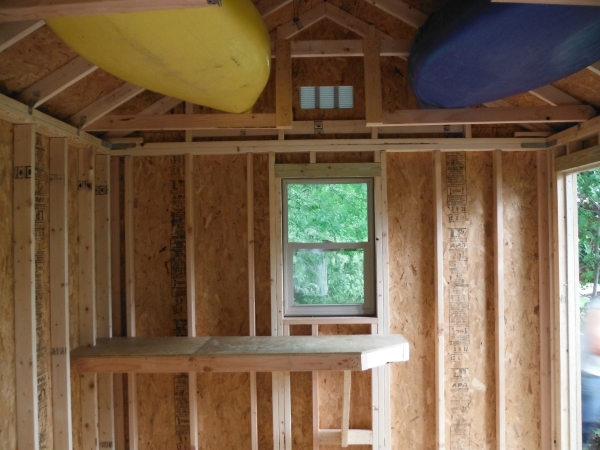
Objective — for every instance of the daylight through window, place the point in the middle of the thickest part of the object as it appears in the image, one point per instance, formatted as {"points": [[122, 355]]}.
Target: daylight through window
{"points": [[328, 247]]}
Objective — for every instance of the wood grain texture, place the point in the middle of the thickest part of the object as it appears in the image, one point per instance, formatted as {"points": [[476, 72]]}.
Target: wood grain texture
{"points": [[222, 293], [8, 437], [73, 257], [153, 299], [59, 294], [522, 301], [410, 196], [25, 285]]}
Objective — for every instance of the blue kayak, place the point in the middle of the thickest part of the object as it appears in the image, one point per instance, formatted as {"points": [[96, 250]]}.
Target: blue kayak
{"points": [[475, 51]]}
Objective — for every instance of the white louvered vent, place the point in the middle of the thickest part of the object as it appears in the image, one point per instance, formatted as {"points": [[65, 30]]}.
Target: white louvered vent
{"points": [[326, 97]]}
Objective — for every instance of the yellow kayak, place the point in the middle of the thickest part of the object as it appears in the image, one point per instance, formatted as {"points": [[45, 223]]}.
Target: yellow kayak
{"points": [[218, 57]]}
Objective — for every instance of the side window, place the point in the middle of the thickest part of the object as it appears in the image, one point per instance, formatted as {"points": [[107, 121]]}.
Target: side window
{"points": [[328, 247]]}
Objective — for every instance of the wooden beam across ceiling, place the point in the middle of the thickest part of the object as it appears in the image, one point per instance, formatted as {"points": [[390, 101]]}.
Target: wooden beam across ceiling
{"points": [[56, 82], [162, 106], [528, 126], [345, 48], [16, 112], [16, 10], [333, 145], [105, 104], [268, 7], [464, 116], [12, 32], [554, 96], [181, 122], [489, 115]]}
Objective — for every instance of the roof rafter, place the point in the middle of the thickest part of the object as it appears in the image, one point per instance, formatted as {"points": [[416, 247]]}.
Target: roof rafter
{"points": [[56, 82], [105, 104], [12, 32], [595, 68], [267, 7], [304, 20], [401, 11], [351, 22], [331, 12], [554, 96]]}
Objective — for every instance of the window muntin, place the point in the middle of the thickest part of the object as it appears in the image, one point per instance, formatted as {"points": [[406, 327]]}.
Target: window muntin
{"points": [[329, 264]]}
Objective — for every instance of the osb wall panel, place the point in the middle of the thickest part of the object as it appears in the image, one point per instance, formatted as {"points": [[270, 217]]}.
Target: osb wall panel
{"points": [[262, 278], [522, 354], [8, 427], [468, 300], [154, 316], [222, 293], [410, 223], [73, 256], [396, 91], [480, 254]]}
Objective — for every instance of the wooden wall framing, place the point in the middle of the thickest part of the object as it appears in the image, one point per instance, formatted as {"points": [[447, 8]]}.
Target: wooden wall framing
{"points": [[516, 190]]}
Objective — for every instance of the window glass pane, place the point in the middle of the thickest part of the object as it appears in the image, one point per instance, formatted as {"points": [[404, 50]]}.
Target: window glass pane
{"points": [[329, 277], [327, 212]]}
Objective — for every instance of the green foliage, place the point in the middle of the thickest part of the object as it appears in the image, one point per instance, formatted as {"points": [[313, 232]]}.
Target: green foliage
{"points": [[588, 194], [328, 212], [329, 277]]}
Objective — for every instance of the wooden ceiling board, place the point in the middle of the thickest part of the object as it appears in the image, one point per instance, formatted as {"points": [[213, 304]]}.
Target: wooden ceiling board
{"points": [[138, 103], [81, 94], [525, 99], [31, 59], [583, 85]]}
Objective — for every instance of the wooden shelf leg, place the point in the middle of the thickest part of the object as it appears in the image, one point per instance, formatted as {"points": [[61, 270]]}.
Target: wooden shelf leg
{"points": [[346, 407]]}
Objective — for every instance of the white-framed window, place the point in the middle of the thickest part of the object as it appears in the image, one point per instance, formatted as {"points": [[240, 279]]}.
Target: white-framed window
{"points": [[328, 247]]}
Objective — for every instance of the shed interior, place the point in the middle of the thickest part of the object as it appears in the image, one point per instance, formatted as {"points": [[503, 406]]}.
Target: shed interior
{"points": [[125, 213]]}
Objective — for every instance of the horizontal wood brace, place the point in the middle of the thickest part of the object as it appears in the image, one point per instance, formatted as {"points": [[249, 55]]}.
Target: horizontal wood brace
{"points": [[320, 170], [164, 122], [16, 112], [329, 320], [466, 116], [334, 145], [345, 48], [579, 132], [586, 159]]}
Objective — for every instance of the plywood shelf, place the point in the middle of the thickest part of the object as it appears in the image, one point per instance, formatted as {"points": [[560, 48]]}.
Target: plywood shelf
{"points": [[240, 354]]}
